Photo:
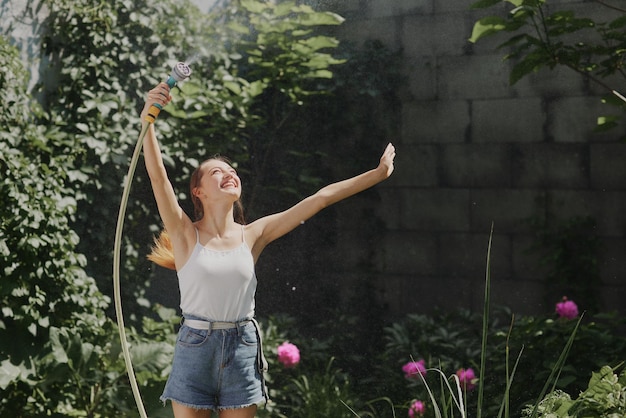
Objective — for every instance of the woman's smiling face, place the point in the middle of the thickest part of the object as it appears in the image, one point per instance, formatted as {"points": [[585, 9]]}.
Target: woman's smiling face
{"points": [[219, 177]]}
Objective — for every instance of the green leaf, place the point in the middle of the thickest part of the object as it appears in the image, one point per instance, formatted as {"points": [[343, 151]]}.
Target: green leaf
{"points": [[58, 351], [527, 4], [283, 9], [529, 64], [322, 18], [7, 312], [618, 23], [487, 26], [320, 42], [483, 4], [233, 86], [255, 88], [323, 74], [607, 122], [83, 127], [8, 374], [238, 27], [254, 6]]}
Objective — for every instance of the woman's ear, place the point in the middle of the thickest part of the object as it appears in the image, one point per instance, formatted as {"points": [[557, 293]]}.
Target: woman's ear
{"points": [[196, 192]]}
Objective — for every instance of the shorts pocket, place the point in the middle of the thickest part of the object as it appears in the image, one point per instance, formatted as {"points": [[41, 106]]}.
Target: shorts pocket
{"points": [[248, 337], [192, 337]]}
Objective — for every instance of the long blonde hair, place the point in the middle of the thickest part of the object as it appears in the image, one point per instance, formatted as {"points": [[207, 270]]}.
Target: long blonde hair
{"points": [[162, 251]]}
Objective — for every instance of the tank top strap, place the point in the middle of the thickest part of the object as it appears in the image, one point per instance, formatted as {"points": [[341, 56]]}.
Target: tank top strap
{"points": [[243, 236], [197, 235]]}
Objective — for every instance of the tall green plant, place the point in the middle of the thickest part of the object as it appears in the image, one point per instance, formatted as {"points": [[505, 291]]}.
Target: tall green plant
{"points": [[103, 57], [485, 330], [542, 34], [254, 65]]}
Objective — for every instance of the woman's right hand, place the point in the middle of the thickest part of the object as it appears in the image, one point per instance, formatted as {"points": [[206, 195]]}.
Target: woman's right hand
{"points": [[386, 160], [160, 94]]}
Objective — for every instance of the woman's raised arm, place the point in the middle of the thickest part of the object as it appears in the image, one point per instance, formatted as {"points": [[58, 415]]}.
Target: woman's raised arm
{"points": [[269, 228], [175, 220]]}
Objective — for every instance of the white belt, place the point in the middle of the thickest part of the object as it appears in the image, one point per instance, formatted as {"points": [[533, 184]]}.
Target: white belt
{"points": [[211, 325]]}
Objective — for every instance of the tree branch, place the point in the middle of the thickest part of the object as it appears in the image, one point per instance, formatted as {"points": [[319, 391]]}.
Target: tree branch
{"points": [[610, 6]]}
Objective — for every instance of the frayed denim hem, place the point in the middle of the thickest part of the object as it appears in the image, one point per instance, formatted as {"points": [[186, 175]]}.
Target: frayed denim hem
{"points": [[211, 407], [257, 403], [192, 406], [228, 408]]}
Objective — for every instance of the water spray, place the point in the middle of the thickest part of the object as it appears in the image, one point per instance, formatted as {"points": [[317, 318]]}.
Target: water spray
{"points": [[180, 72]]}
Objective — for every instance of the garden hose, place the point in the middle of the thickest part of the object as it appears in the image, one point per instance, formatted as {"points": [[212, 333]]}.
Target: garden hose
{"points": [[180, 72], [116, 273], [618, 94]]}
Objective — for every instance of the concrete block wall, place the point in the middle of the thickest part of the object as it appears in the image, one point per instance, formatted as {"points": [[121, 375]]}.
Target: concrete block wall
{"points": [[474, 150]]}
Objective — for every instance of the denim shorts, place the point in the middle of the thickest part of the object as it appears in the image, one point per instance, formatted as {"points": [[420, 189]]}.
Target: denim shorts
{"points": [[216, 369]]}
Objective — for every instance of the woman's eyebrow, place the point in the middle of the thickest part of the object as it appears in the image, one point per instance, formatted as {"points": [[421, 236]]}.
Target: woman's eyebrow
{"points": [[219, 167]]}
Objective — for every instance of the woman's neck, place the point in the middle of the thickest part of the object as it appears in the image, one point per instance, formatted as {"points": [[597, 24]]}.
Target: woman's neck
{"points": [[216, 222]]}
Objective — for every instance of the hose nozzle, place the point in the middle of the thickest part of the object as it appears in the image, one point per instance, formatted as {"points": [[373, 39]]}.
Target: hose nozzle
{"points": [[179, 72]]}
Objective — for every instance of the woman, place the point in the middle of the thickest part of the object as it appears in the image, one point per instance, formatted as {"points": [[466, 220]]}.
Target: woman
{"points": [[218, 359]]}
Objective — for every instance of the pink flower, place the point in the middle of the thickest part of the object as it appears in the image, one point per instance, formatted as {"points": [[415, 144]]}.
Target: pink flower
{"points": [[288, 354], [567, 309], [413, 369], [417, 409], [467, 378]]}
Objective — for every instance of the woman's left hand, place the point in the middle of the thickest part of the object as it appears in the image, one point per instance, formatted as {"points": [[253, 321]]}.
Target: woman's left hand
{"points": [[386, 161]]}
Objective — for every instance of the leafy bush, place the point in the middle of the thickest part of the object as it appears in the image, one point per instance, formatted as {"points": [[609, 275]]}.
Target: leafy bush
{"points": [[248, 81], [45, 293], [316, 386], [92, 98], [450, 341], [597, 342], [604, 397], [60, 159]]}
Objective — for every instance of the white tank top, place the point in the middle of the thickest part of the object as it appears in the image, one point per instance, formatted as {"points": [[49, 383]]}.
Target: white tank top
{"points": [[218, 285]]}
